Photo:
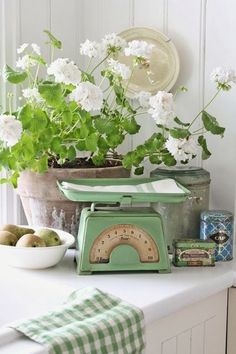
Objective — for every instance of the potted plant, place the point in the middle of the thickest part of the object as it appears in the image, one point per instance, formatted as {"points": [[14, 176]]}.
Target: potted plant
{"points": [[65, 111]]}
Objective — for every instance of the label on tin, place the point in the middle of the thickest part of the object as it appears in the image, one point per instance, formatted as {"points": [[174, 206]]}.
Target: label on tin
{"points": [[194, 256], [219, 237]]}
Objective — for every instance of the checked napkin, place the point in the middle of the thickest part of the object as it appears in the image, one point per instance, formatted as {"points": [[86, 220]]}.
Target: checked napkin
{"points": [[89, 322]]}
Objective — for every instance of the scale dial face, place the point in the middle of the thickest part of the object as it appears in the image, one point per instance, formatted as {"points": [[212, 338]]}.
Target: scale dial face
{"points": [[124, 234]]}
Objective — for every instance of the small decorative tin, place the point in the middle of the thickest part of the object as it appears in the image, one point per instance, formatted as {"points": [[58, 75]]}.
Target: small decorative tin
{"points": [[193, 252], [217, 225]]}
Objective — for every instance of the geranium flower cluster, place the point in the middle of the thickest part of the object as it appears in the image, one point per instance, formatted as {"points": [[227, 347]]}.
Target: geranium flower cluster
{"points": [[71, 110]]}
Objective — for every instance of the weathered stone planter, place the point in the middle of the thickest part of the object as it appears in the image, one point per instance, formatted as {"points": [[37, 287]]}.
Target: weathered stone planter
{"points": [[45, 206]]}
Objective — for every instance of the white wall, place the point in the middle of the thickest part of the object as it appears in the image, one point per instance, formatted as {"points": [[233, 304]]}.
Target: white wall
{"points": [[203, 32]]}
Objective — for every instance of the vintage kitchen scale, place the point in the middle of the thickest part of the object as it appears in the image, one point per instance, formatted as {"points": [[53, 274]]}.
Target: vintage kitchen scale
{"points": [[115, 234]]}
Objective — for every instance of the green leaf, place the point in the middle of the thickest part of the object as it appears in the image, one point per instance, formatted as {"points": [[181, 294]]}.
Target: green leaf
{"points": [[115, 140], [169, 160], [12, 76], [13, 179], [52, 93], [129, 160], [104, 125], [178, 121], [205, 152], [71, 153], [132, 158], [81, 145], [91, 142], [102, 144], [53, 40], [67, 117], [25, 115], [155, 159], [56, 145], [179, 133], [154, 143], [28, 147], [131, 126], [98, 159], [87, 77], [42, 164], [139, 170], [210, 123], [141, 150], [38, 59], [4, 180], [4, 156], [39, 120], [84, 132]]}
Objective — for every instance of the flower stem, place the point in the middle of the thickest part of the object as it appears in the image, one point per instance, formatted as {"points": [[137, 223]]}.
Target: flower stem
{"points": [[102, 61], [36, 76], [205, 107], [102, 81], [136, 114], [109, 93], [89, 63], [52, 53], [195, 133], [10, 95], [127, 85], [74, 126]]}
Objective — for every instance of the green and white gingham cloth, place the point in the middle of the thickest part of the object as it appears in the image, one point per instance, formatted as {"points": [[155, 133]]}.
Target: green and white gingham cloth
{"points": [[89, 322]]}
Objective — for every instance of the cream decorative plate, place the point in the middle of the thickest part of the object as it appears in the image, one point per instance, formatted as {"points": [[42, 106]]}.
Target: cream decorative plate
{"points": [[161, 70]]}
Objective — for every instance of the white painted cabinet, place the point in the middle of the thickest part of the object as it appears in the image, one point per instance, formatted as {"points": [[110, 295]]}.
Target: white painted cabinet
{"points": [[231, 332], [197, 329]]}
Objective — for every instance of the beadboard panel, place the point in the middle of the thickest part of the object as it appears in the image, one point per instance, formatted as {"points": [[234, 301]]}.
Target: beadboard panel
{"points": [[10, 207], [221, 49], [198, 329], [202, 31], [35, 16], [188, 36], [66, 24], [155, 16]]}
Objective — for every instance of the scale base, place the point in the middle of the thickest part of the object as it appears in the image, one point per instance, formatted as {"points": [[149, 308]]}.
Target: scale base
{"points": [[121, 241]]}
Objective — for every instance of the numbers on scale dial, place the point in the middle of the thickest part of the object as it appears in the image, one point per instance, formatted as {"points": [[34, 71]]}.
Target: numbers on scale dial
{"points": [[124, 234]]}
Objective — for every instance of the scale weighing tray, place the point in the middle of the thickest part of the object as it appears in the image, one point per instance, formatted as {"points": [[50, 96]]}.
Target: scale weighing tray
{"points": [[117, 197]]}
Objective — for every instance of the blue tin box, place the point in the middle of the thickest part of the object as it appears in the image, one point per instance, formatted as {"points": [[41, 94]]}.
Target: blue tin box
{"points": [[217, 225]]}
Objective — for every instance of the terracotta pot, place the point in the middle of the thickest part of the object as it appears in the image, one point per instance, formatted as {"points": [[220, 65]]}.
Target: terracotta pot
{"points": [[43, 203]]}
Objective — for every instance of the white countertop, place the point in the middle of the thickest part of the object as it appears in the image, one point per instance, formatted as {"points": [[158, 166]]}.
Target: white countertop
{"points": [[26, 293]]}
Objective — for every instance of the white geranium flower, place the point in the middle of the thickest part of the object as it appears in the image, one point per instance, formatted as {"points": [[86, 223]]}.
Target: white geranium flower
{"points": [[88, 96], [119, 69], [65, 71], [36, 48], [10, 129], [190, 146], [22, 48], [162, 107], [113, 42], [32, 95], [223, 76], [25, 62], [91, 49], [182, 149], [143, 97], [139, 49]]}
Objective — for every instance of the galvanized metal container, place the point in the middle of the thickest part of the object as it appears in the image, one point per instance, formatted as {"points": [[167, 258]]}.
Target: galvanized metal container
{"points": [[217, 225], [183, 220]]}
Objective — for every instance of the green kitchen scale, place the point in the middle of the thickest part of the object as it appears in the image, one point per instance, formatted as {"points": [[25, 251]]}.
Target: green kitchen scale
{"points": [[115, 234]]}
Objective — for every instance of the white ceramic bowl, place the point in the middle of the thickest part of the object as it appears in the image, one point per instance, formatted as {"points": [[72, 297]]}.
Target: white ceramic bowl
{"points": [[36, 257]]}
